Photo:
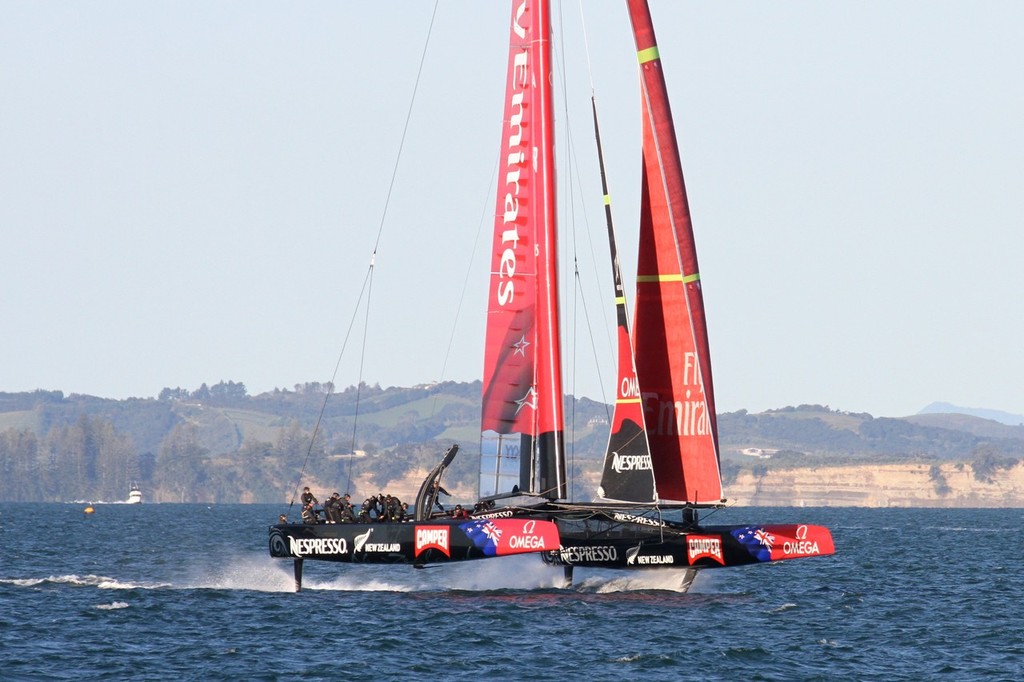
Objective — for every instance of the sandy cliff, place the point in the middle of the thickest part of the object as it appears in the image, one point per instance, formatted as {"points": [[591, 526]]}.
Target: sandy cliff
{"points": [[882, 485]]}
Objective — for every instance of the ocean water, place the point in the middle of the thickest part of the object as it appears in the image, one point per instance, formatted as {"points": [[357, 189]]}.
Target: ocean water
{"points": [[188, 592]]}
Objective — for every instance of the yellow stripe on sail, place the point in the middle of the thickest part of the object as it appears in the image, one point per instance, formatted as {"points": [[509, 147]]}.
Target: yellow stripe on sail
{"points": [[648, 55], [626, 401], [677, 277]]}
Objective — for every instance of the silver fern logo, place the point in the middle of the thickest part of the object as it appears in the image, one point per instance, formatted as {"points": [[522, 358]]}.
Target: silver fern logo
{"points": [[359, 541]]}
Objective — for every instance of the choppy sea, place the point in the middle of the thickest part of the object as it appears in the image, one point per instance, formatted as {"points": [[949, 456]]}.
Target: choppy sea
{"points": [[188, 592]]}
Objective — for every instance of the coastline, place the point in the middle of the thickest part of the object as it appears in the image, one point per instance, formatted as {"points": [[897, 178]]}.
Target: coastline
{"points": [[946, 485]]}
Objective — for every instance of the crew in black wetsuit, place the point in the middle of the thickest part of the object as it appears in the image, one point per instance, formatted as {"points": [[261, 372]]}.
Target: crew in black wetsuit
{"points": [[308, 497], [439, 489], [332, 508], [309, 503], [395, 510], [391, 506], [368, 512]]}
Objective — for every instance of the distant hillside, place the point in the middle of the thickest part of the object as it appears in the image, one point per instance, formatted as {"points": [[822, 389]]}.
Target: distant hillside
{"points": [[219, 444], [994, 415], [817, 435], [979, 426]]}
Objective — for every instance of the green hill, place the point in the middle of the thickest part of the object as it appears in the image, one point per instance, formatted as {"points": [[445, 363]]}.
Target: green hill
{"points": [[219, 444]]}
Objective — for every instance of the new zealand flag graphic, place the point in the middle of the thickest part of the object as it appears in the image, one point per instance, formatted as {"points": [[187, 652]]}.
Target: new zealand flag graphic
{"points": [[757, 541], [484, 535]]}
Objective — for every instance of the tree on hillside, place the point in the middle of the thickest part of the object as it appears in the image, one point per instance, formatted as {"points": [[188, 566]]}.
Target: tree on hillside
{"points": [[87, 460], [228, 393], [19, 452], [987, 460], [173, 394], [181, 462]]}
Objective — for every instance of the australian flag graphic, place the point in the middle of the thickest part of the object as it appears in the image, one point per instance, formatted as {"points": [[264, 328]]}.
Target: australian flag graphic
{"points": [[757, 541], [484, 535]]}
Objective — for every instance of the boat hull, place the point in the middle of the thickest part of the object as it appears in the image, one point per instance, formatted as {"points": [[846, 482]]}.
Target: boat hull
{"points": [[712, 547], [602, 543], [417, 543], [607, 536]]}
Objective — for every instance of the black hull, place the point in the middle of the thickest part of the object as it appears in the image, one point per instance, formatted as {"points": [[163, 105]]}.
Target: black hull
{"points": [[634, 538], [564, 535], [640, 548], [358, 543], [417, 543]]}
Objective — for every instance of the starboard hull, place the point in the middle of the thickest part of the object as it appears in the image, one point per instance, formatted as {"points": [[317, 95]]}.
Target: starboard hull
{"points": [[607, 543], [623, 537]]}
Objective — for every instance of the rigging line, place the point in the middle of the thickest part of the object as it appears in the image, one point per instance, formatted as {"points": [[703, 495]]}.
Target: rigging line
{"points": [[359, 382], [405, 128], [572, 412], [581, 290], [581, 301], [369, 275], [714, 510], [607, 325], [593, 348], [323, 406], [571, 217], [593, 98], [586, 47], [488, 196]]}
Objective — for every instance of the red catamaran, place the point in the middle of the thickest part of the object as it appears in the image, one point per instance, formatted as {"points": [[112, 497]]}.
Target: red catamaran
{"points": [[662, 460]]}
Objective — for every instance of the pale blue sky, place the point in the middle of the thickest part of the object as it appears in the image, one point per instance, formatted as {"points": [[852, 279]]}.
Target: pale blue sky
{"points": [[191, 192]]}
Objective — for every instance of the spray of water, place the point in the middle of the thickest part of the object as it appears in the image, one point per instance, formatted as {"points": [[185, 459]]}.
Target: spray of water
{"points": [[261, 573], [662, 579], [507, 573]]}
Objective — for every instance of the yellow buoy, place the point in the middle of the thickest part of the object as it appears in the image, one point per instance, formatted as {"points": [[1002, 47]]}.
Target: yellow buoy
{"points": [[89, 509]]}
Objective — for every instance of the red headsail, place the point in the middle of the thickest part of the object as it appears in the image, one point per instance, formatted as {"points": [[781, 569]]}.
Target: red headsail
{"points": [[670, 338]]}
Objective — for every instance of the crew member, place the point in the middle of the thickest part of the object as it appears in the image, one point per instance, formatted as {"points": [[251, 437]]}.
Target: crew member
{"points": [[439, 489]]}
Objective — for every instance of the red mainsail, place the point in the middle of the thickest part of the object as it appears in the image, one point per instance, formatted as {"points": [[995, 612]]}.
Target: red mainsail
{"points": [[670, 333], [522, 390]]}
